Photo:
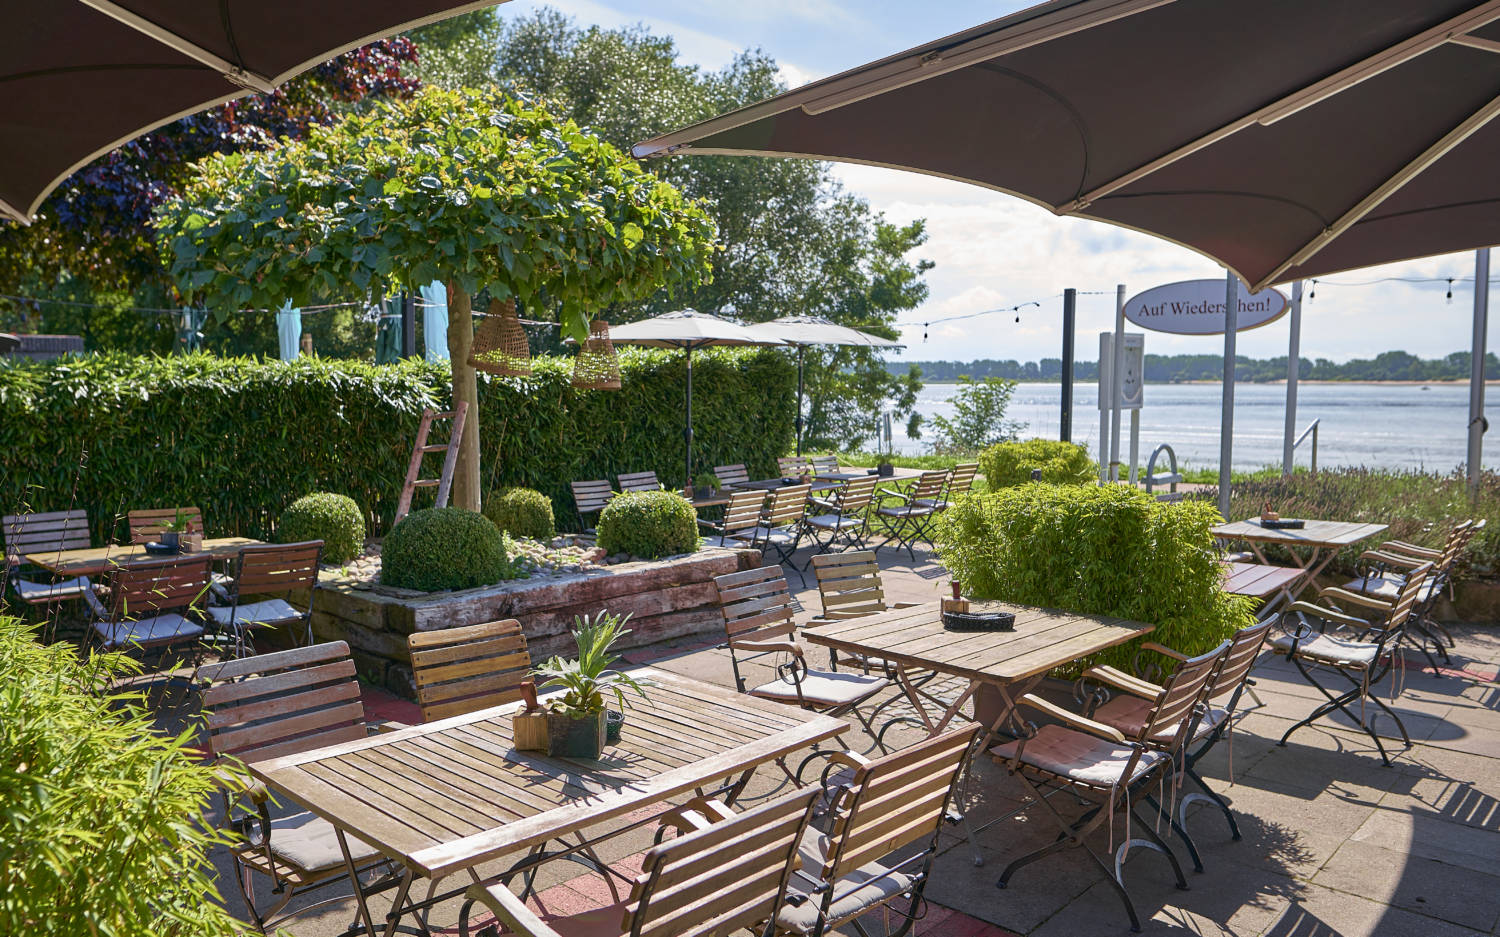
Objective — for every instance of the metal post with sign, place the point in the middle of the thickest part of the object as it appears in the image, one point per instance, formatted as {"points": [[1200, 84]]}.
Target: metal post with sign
{"points": [[1127, 393]]}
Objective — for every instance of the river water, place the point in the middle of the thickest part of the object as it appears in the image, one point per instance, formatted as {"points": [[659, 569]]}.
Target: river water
{"points": [[1386, 425]]}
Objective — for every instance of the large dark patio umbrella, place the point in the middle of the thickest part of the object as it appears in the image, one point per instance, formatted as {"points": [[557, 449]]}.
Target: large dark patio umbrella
{"points": [[1282, 138], [687, 330], [80, 77], [803, 332]]}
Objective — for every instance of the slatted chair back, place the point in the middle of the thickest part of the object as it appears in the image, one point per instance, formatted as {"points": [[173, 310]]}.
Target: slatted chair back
{"points": [[461, 670], [787, 505], [929, 486], [962, 480], [148, 524], [639, 481], [591, 496], [283, 703], [849, 584], [278, 567], [48, 532], [856, 496], [1458, 539], [141, 590], [756, 605], [894, 801], [1406, 598], [823, 464], [1179, 696], [723, 878], [792, 466], [731, 475], [1244, 648], [743, 511]]}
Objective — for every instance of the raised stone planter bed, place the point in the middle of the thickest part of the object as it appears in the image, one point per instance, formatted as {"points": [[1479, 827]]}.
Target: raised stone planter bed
{"points": [[669, 598]]}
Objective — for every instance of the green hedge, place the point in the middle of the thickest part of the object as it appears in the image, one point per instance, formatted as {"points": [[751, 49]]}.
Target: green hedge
{"points": [[102, 830], [1100, 551], [1062, 463], [242, 439]]}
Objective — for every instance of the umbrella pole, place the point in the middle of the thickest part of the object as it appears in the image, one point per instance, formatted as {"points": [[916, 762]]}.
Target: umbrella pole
{"points": [[1477, 422], [1226, 415], [687, 431], [800, 349]]}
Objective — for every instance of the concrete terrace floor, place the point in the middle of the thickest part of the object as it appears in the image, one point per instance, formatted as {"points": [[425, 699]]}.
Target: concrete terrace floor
{"points": [[1334, 843]]}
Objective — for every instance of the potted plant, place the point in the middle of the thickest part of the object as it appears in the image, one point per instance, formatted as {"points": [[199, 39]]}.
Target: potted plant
{"points": [[172, 531], [705, 485], [576, 721], [884, 468]]}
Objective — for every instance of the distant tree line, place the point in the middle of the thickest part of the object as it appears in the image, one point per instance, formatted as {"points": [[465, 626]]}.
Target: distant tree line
{"points": [[1172, 369]]}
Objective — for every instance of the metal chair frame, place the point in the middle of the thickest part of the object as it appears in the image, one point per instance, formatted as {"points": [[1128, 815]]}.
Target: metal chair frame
{"points": [[911, 521], [847, 521], [590, 497]]}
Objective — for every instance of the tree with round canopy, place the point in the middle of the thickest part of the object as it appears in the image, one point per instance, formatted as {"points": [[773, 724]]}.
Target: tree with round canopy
{"points": [[474, 188]]}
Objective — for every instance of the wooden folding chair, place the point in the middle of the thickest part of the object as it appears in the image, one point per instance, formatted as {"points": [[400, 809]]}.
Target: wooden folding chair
{"points": [[639, 481], [1361, 660], [849, 586], [271, 706], [757, 610], [847, 518], [823, 464], [1385, 570], [460, 670], [793, 466], [152, 604], [590, 497], [274, 573], [960, 482], [1104, 767], [742, 516], [731, 475], [50, 532], [719, 879], [908, 522], [782, 523], [148, 524], [1221, 697]]}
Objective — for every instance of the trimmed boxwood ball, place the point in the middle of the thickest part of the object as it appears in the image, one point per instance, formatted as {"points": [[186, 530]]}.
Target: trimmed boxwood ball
{"points": [[522, 512], [444, 548], [332, 518], [648, 524]]}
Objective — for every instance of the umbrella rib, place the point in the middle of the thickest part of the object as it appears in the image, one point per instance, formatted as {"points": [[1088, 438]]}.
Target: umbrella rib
{"points": [[1390, 187], [240, 76], [1390, 57]]}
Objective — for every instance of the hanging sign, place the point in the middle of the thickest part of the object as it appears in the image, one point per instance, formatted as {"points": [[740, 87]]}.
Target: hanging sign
{"points": [[1196, 307]]}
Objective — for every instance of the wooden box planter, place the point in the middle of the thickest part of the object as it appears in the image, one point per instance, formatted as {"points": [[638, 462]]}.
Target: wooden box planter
{"points": [[671, 598]]}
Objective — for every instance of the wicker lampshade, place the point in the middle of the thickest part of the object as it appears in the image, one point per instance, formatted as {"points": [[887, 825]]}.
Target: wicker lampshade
{"points": [[597, 367], [500, 345]]}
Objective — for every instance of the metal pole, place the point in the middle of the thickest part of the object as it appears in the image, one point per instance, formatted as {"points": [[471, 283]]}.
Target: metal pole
{"points": [[1477, 422], [408, 326], [687, 431], [1293, 362], [1070, 314], [800, 349], [1135, 442], [1226, 415], [1116, 392]]}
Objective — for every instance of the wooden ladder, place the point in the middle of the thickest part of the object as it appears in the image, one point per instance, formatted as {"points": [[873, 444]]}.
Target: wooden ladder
{"points": [[413, 470]]}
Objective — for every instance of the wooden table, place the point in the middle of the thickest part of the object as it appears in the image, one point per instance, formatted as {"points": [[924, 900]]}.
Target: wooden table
{"points": [[450, 795], [1313, 546], [1271, 584], [823, 481], [95, 560]]}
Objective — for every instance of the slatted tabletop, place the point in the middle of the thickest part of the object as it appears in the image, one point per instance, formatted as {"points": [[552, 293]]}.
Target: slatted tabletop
{"points": [[825, 480], [1322, 534], [453, 794], [1042, 640], [96, 560], [1258, 580]]}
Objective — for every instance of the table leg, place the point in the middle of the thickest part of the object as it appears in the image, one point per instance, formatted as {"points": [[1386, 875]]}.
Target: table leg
{"points": [[994, 705], [359, 888], [394, 917]]}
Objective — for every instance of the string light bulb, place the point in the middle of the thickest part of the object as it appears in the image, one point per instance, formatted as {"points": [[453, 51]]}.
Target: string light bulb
{"points": [[1313, 293], [1450, 291]]}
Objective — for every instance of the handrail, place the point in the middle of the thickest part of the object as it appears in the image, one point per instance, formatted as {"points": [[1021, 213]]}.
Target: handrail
{"points": [[1312, 429], [1171, 477]]}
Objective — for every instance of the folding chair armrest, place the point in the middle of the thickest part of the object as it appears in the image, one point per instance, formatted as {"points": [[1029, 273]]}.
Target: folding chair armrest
{"points": [[852, 760], [791, 647], [1073, 719], [1163, 650], [1409, 549], [1382, 558], [892, 493], [96, 607], [384, 726], [895, 605], [512, 911], [1354, 598], [700, 813], [719, 528], [1326, 614], [1123, 681]]}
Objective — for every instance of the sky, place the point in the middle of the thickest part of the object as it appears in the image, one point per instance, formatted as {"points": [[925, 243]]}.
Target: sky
{"points": [[993, 251]]}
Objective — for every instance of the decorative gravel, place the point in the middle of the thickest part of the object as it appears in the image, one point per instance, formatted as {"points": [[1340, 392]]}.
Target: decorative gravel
{"points": [[536, 560]]}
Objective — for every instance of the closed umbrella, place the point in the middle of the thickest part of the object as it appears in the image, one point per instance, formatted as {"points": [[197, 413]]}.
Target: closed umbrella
{"points": [[81, 77], [802, 332], [1284, 139], [688, 330]]}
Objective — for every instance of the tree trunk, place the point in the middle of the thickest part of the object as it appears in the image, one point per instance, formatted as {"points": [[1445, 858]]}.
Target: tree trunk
{"points": [[460, 338]]}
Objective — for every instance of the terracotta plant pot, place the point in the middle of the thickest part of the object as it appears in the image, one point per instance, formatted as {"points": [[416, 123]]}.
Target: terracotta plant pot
{"points": [[568, 737]]}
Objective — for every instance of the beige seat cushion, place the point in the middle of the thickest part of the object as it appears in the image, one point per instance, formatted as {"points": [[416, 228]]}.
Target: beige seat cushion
{"points": [[1129, 714], [307, 842], [1329, 650], [833, 521], [821, 686], [1079, 756], [267, 612], [167, 628], [50, 591], [865, 888], [1387, 587]]}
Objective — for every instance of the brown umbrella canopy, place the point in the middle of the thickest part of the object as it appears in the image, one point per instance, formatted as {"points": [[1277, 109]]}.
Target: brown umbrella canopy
{"points": [[80, 77], [1282, 138]]}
